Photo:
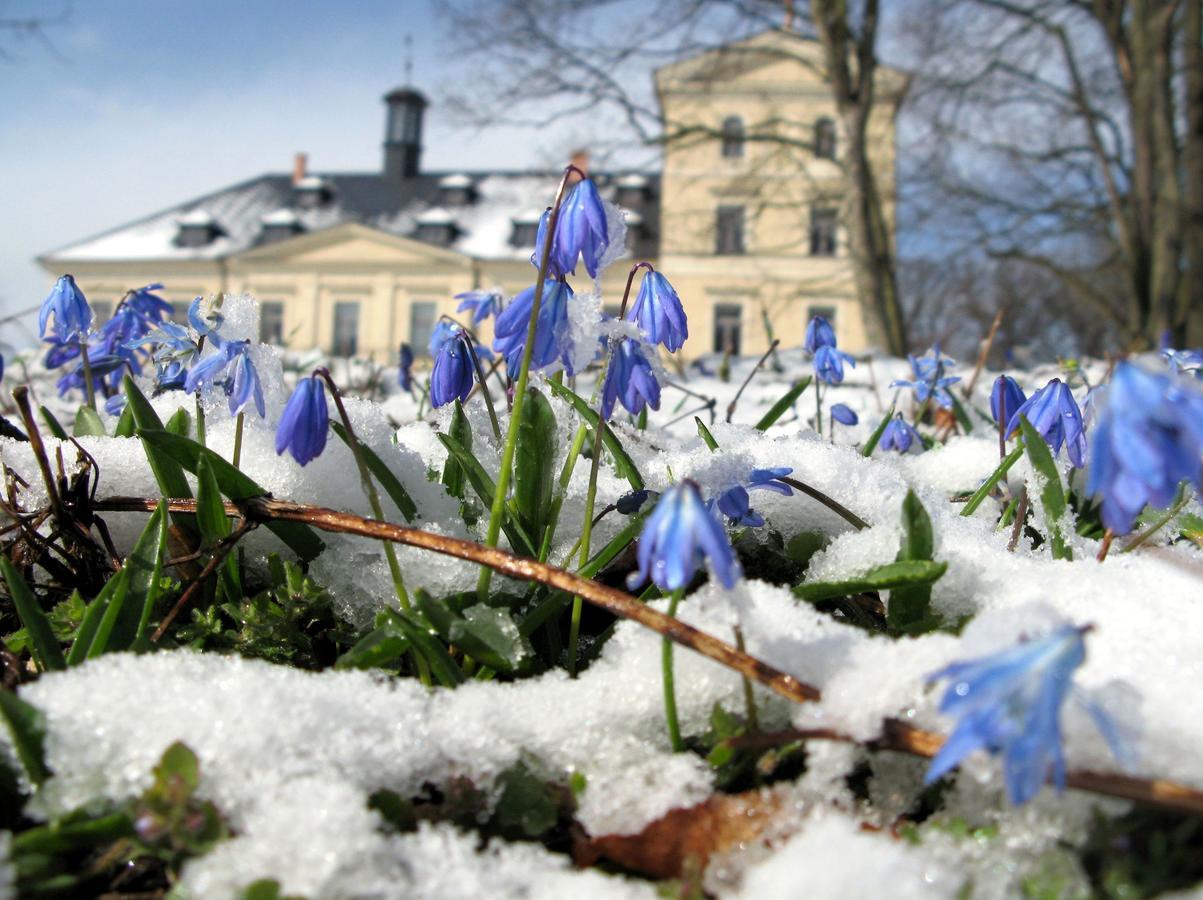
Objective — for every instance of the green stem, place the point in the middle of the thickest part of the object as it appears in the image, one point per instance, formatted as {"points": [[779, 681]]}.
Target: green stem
{"points": [[200, 422], [237, 440], [670, 695], [501, 491], [1184, 497], [818, 406], [89, 388], [984, 491], [484, 389]]}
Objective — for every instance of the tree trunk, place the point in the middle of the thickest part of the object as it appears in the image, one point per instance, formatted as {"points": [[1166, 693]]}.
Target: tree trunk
{"points": [[1190, 314]]}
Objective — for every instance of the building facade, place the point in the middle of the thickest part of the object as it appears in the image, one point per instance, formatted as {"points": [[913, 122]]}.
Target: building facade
{"points": [[744, 219]]}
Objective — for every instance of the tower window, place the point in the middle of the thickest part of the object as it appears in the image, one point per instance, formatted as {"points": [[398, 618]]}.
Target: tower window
{"points": [[823, 225], [733, 137], [824, 139], [346, 328], [729, 231], [727, 328]]}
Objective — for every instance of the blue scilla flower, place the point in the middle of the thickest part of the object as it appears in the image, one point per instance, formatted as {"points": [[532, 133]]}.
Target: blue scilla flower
{"points": [[68, 307], [1148, 439], [679, 534], [829, 364], [231, 369], [149, 305], [930, 380], [658, 312], [629, 378], [1054, 413], [581, 230], [115, 404], [552, 339], [482, 304], [405, 365], [844, 414], [303, 426], [901, 437], [819, 333], [735, 503], [1005, 398], [101, 365], [204, 321], [443, 331], [1009, 704], [451, 377], [170, 376], [1185, 361]]}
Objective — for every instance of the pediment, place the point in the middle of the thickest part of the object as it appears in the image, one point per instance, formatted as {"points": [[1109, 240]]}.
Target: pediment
{"points": [[352, 243]]}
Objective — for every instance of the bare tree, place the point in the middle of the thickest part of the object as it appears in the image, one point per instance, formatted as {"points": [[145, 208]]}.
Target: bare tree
{"points": [[535, 62], [29, 28]]}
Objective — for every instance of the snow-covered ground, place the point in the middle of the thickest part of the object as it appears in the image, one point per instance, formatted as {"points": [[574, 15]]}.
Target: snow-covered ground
{"points": [[291, 757]]}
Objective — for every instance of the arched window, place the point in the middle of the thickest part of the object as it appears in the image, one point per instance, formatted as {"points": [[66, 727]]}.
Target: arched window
{"points": [[733, 137], [825, 139]]}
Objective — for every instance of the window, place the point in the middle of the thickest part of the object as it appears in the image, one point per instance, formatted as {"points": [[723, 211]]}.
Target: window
{"points": [[421, 324], [824, 139], [733, 137], [103, 310], [346, 328], [823, 224], [729, 231], [271, 322], [827, 312], [442, 234], [727, 329], [524, 233]]}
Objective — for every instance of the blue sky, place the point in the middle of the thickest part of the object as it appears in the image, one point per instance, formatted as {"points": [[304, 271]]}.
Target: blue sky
{"points": [[143, 103]]}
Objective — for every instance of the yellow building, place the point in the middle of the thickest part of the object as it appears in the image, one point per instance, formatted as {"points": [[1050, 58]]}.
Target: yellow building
{"points": [[744, 220]]}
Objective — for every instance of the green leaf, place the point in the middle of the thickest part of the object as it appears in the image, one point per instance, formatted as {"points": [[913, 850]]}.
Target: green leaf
{"points": [[616, 545], [784, 402], [234, 484], [75, 833], [442, 666], [167, 471], [803, 546], [483, 485], [92, 637], [53, 425], [910, 605], [178, 766], [1051, 494], [534, 462], [461, 431], [871, 444], [994, 478], [28, 729], [379, 647], [384, 476], [880, 578], [145, 565], [215, 526], [526, 803], [962, 417], [125, 423], [623, 464], [180, 423], [88, 422], [46, 650], [486, 634], [704, 433]]}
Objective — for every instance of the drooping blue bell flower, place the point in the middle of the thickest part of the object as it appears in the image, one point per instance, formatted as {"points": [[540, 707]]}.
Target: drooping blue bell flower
{"points": [[629, 378], [451, 378], [1185, 361], [632, 501], [232, 369], [1005, 398], [170, 376], [69, 309], [149, 305], [405, 375], [819, 333], [844, 414], [482, 304], [305, 422], [680, 533], [1009, 704], [581, 232], [735, 502], [930, 379], [443, 331], [829, 364], [204, 320], [552, 339], [115, 404], [1149, 439], [658, 312], [901, 437], [1055, 415]]}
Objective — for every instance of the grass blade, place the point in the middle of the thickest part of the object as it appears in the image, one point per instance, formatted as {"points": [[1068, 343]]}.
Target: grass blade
{"points": [[784, 402], [45, 646], [1051, 494], [384, 476], [623, 464]]}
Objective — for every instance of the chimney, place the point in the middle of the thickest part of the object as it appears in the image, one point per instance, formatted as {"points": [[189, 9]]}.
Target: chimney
{"points": [[300, 165], [580, 159]]}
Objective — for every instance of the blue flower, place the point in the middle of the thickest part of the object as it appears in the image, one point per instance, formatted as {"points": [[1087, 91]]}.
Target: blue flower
{"points": [[581, 231], [735, 503], [1054, 413], [629, 378], [1005, 398], [844, 414], [231, 369], [901, 437], [443, 331], [632, 501], [68, 306], [819, 333], [482, 304], [303, 426], [829, 364], [149, 305], [204, 323], [552, 339], [405, 375], [677, 536], [658, 312], [1148, 439], [170, 376], [930, 382], [169, 343], [1009, 704], [451, 377], [115, 404], [1185, 361]]}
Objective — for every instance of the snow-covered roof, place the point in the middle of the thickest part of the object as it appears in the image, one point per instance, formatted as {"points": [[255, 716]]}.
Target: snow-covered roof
{"points": [[484, 224]]}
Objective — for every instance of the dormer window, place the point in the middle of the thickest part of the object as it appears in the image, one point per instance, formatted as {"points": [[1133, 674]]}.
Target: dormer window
{"points": [[733, 137], [635, 229], [311, 192], [456, 190], [631, 191], [437, 226], [824, 139], [279, 226], [525, 230], [197, 229]]}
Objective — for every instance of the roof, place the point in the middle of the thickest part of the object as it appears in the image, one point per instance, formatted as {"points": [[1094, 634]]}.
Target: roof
{"points": [[238, 213]]}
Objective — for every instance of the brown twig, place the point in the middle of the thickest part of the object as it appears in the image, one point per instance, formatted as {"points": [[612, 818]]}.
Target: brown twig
{"points": [[984, 354], [756, 368], [1021, 514]]}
